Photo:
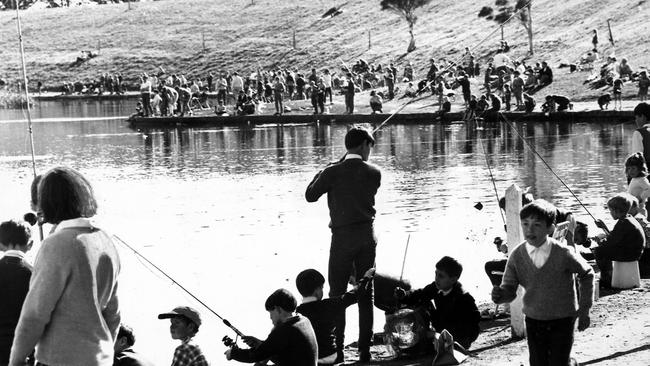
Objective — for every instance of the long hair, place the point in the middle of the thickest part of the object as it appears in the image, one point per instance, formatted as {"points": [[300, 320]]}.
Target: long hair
{"points": [[65, 194], [638, 161]]}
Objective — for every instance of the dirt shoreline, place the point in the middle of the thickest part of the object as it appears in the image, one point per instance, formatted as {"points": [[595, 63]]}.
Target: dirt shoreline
{"points": [[619, 335]]}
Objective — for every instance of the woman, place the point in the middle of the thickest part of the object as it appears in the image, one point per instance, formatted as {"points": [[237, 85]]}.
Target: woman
{"points": [[71, 311]]}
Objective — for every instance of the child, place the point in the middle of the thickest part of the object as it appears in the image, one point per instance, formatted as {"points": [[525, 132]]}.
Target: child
{"points": [[546, 269], [323, 313], [124, 353], [455, 309], [638, 185], [618, 92], [15, 273], [291, 342], [507, 95], [624, 243], [185, 323], [644, 83]]}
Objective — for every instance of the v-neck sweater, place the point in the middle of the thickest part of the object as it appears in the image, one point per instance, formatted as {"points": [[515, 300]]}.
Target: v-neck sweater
{"points": [[550, 289]]}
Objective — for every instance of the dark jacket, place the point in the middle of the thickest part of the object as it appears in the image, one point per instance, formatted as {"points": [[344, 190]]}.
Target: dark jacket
{"points": [[129, 358], [292, 343], [351, 186], [14, 284], [625, 242], [456, 311]]}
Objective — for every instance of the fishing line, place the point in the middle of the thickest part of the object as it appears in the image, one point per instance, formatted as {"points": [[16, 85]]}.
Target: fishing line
{"points": [[225, 321], [532, 148], [496, 192]]}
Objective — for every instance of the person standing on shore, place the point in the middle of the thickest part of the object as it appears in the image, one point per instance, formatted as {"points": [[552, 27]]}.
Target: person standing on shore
{"points": [[351, 185], [71, 312], [349, 95], [278, 91], [145, 92]]}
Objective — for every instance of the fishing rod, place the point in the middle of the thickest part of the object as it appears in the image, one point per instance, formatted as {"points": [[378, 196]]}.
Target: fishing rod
{"points": [[225, 321], [29, 114], [532, 148], [494, 185], [406, 249]]}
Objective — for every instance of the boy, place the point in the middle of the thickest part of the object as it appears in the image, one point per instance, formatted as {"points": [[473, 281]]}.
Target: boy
{"points": [[124, 354], [185, 323], [455, 309], [624, 243], [15, 273], [291, 342], [546, 268], [323, 313]]}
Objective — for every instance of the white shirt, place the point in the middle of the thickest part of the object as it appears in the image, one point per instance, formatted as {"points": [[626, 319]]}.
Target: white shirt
{"points": [[14, 253], [539, 255], [78, 222], [501, 59], [327, 80], [352, 156], [637, 141], [237, 82], [309, 299]]}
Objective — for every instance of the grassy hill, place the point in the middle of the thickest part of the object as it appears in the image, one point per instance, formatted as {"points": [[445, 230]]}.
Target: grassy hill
{"points": [[239, 35]]}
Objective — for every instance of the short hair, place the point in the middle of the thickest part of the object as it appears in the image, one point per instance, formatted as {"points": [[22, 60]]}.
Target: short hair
{"points": [[127, 332], [281, 298], [638, 161], [539, 209], [64, 194], [357, 136], [642, 109], [450, 266], [15, 233], [308, 281], [620, 203], [526, 198]]}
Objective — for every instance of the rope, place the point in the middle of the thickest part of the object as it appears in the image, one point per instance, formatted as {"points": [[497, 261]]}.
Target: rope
{"points": [[532, 148], [225, 321]]}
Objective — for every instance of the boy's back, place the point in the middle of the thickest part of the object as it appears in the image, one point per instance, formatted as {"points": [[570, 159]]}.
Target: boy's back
{"points": [[626, 241], [323, 314], [15, 274], [550, 289]]}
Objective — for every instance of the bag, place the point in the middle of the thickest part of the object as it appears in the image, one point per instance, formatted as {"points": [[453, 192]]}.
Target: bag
{"points": [[406, 331]]}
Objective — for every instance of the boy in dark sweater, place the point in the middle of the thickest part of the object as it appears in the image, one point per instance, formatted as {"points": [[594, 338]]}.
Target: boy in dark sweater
{"points": [[455, 309], [291, 342], [546, 270], [624, 243], [323, 313], [15, 273]]}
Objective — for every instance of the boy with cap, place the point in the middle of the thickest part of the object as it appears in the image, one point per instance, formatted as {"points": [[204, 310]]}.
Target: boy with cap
{"points": [[15, 273], [455, 309], [292, 341], [185, 323]]}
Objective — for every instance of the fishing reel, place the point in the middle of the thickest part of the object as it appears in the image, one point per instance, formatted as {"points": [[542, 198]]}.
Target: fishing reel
{"points": [[228, 342]]}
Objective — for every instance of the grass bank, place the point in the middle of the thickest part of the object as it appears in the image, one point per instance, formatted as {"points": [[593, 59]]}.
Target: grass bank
{"points": [[195, 36]]}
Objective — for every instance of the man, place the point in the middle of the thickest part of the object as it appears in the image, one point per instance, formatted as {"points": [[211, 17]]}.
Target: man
{"points": [[349, 95], [351, 185], [641, 137], [124, 354]]}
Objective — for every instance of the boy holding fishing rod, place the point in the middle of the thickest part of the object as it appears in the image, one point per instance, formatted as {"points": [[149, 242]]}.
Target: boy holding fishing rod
{"points": [[545, 269], [351, 185]]}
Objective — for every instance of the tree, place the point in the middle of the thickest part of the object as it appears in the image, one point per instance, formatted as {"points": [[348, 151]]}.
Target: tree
{"points": [[405, 8], [505, 10]]}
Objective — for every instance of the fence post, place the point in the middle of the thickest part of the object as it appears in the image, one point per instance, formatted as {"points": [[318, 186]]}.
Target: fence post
{"points": [[369, 40], [294, 39], [515, 237], [203, 40]]}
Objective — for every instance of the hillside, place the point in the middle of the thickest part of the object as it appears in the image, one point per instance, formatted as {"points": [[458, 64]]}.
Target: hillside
{"points": [[240, 36]]}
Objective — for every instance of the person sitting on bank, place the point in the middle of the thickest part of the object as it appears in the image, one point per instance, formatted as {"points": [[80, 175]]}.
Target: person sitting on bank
{"points": [[322, 313], [455, 309], [124, 353], [185, 323], [410, 91], [292, 340], [15, 273], [529, 103], [624, 243], [375, 102], [549, 106]]}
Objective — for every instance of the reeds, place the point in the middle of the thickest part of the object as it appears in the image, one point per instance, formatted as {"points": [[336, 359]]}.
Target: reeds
{"points": [[12, 100]]}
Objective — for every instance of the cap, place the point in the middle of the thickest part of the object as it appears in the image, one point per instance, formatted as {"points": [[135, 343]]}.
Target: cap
{"points": [[185, 311]]}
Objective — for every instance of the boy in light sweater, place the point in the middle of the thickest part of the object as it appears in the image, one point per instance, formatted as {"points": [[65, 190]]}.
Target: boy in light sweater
{"points": [[545, 269]]}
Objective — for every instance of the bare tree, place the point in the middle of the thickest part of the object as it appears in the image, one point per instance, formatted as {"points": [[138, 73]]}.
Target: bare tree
{"points": [[405, 8], [505, 10]]}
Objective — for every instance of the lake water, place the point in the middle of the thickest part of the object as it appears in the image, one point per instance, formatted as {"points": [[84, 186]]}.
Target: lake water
{"points": [[222, 210]]}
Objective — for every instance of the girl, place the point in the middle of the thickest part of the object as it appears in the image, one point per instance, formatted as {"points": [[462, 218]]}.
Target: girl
{"points": [[618, 92], [638, 186]]}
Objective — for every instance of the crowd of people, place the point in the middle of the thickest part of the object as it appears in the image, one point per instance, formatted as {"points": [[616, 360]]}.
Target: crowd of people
{"points": [[105, 83], [75, 277]]}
